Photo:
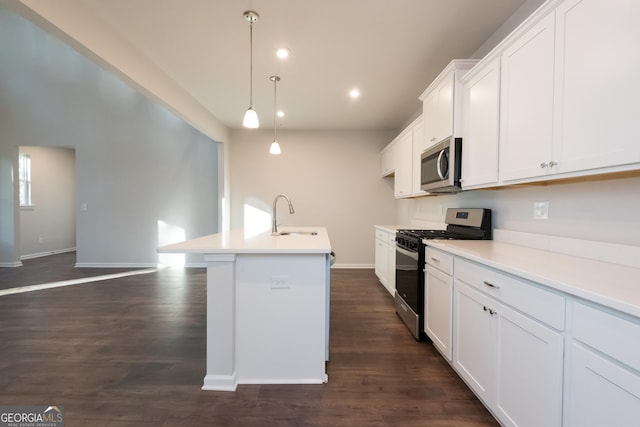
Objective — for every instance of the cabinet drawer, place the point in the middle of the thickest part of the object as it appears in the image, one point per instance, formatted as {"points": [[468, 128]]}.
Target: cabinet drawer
{"points": [[541, 304], [608, 333], [382, 235], [440, 260]]}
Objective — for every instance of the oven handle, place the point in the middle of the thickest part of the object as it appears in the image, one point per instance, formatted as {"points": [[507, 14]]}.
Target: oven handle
{"points": [[410, 254]]}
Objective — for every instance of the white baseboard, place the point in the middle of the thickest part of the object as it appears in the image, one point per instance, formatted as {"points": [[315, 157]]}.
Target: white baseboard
{"points": [[115, 265], [11, 264], [47, 253], [355, 266]]}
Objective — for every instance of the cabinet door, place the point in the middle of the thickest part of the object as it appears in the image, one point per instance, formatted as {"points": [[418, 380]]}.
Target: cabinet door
{"points": [[391, 263], [419, 145], [597, 61], [444, 125], [481, 112], [404, 165], [387, 166], [474, 337], [602, 393], [381, 256], [526, 103], [438, 303], [529, 367], [430, 118]]}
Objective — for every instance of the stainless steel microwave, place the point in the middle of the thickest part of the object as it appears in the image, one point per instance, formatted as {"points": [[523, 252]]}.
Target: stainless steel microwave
{"points": [[440, 167]]}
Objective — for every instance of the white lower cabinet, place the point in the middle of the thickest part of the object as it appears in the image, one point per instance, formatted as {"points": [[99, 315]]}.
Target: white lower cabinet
{"points": [[385, 259], [533, 355], [438, 299], [603, 386], [512, 360]]}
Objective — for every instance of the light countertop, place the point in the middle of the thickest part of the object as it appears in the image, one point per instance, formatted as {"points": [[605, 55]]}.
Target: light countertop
{"points": [[612, 285], [235, 242]]}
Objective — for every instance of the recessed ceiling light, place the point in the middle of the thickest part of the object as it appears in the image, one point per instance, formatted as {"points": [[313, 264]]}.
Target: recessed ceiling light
{"points": [[280, 113], [354, 93], [283, 52]]}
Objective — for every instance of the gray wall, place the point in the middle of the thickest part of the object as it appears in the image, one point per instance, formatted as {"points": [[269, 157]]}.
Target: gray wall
{"points": [[333, 179], [139, 168], [49, 226]]}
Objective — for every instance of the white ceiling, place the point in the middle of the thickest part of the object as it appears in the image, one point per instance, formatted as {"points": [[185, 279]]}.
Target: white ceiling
{"points": [[390, 49]]}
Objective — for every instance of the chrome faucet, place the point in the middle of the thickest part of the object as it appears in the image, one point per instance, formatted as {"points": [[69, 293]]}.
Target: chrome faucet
{"points": [[274, 226]]}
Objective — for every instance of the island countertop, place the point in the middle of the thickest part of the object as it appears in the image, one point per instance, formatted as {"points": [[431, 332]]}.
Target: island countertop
{"points": [[237, 242]]}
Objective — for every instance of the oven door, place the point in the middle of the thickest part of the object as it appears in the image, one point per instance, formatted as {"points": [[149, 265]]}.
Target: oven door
{"points": [[407, 277]]}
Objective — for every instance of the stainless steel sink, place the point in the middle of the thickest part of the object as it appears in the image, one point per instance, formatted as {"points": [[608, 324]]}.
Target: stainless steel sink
{"points": [[297, 233]]}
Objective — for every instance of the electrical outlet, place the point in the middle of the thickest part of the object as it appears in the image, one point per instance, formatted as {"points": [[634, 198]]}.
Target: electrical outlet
{"points": [[280, 282], [541, 210]]}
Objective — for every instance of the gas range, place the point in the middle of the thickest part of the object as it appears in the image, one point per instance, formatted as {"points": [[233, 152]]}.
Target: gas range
{"points": [[462, 224]]}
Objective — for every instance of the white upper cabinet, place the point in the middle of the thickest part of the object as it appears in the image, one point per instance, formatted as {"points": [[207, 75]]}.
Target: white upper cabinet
{"points": [[481, 125], [403, 186], [597, 99], [442, 103], [387, 160], [401, 158], [568, 104], [526, 107], [419, 145]]}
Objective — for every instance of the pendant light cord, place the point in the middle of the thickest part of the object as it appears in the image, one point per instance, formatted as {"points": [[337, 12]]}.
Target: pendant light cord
{"points": [[275, 128], [251, 64]]}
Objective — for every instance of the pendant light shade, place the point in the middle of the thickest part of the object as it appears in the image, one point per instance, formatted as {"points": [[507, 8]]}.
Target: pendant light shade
{"points": [[251, 117], [275, 147]]}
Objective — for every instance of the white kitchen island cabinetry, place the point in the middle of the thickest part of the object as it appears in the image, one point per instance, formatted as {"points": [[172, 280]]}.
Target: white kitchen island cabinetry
{"points": [[267, 306], [508, 346], [603, 368]]}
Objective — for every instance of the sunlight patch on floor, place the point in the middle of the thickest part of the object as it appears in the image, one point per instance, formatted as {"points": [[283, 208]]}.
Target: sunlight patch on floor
{"points": [[51, 285]]}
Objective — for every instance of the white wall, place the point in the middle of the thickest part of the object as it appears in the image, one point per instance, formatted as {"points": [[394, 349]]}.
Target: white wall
{"points": [[140, 169], [605, 210], [49, 226], [332, 178]]}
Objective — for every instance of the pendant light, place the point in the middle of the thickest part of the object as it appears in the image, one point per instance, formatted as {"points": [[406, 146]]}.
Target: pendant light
{"points": [[251, 117], [275, 147]]}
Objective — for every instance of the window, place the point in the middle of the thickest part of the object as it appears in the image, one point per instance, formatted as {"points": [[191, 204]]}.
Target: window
{"points": [[24, 172]]}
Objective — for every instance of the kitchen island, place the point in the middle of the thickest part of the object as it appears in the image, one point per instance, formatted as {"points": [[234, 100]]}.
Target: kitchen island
{"points": [[267, 306]]}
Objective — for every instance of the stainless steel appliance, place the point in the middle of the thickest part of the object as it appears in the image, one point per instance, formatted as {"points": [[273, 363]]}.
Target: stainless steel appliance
{"points": [[462, 224], [440, 167]]}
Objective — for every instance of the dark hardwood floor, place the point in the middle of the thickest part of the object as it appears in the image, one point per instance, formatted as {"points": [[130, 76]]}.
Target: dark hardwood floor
{"points": [[131, 352]]}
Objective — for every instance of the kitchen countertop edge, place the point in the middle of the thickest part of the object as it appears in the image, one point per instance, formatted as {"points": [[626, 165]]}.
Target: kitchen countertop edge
{"points": [[235, 242], [608, 284]]}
